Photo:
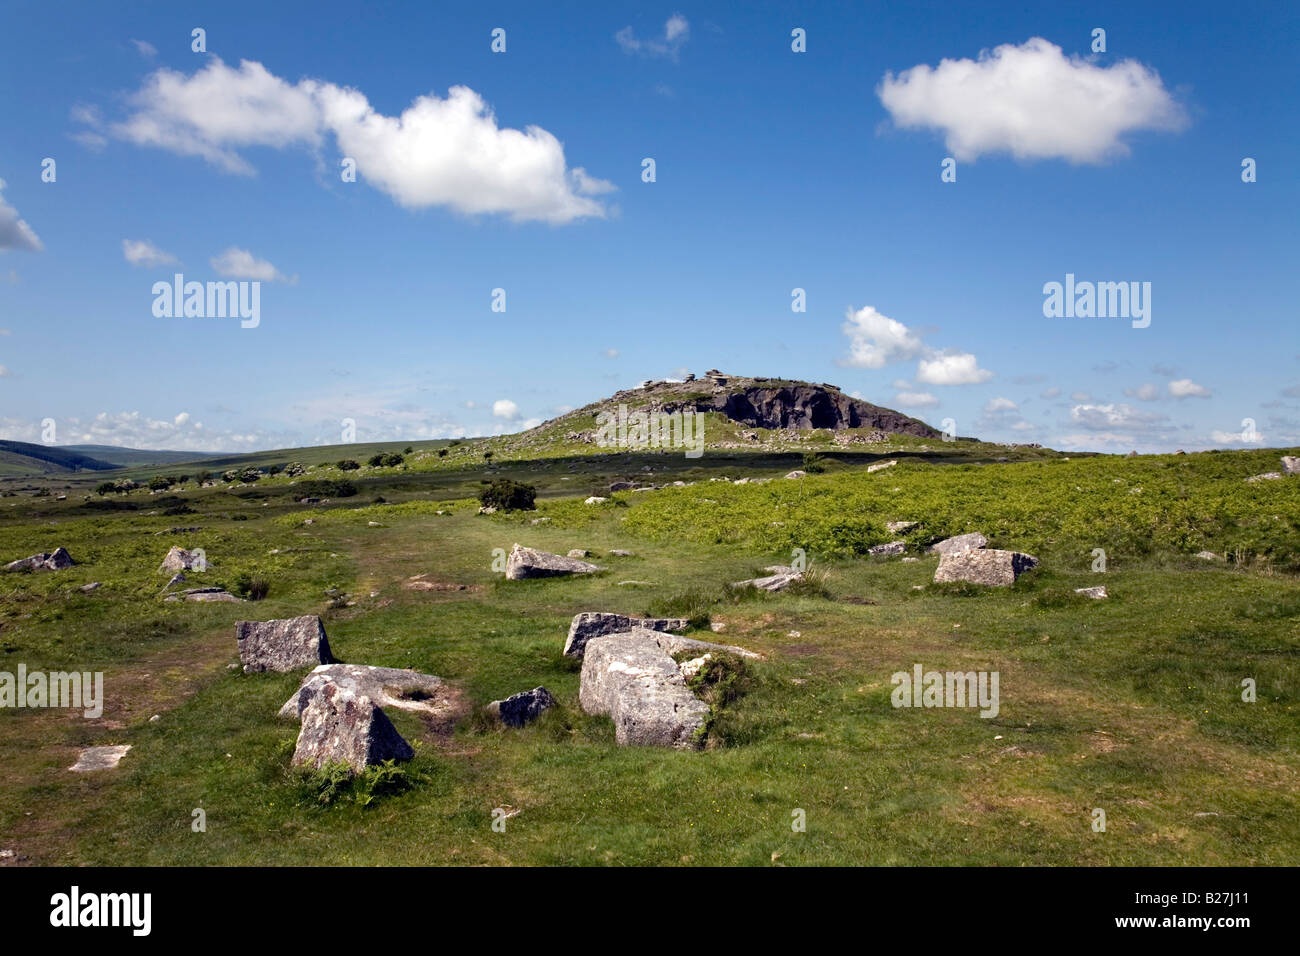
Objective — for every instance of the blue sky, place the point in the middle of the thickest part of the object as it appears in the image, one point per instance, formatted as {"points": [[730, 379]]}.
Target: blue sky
{"points": [[775, 170]]}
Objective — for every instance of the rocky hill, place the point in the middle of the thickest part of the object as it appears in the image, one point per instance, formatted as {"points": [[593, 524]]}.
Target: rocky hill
{"points": [[768, 403]]}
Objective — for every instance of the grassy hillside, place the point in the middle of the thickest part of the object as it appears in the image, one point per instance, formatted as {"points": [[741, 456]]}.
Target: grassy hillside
{"points": [[1132, 704]]}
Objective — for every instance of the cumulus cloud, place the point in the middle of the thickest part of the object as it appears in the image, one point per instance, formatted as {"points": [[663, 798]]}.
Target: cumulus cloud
{"points": [[876, 340], [677, 30], [504, 408], [915, 400], [997, 406], [951, 367], [1033, 102], [236, 263], [1186, 388], [438, 152], [14, 232], [142, 252]]}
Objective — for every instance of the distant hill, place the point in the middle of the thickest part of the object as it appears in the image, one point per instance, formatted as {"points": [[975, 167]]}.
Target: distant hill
{"points": [[133, 457], [20, 457]]}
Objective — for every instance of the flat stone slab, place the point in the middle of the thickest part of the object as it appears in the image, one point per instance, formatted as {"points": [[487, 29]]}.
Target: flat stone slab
{"points": [[386, 686], [962, 542], [900, 527], [633, 678], [591, 624], [524, 563], [1097, 593], [282, 645], [992, 568], [339, 727], [881, 466], [779, 578], [99, 758]]}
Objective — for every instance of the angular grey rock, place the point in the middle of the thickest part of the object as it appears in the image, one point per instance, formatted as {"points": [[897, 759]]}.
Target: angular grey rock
{"points": [[338, 727], [1207, 556], [211, 594], [178, 559], [386, 686], [92, 586], [579, 553], [522, 708], [620, 553], [881, 466], [1290, 465], [634, 680], [992, 568], [893, 547], [595, 500], [591, 624], [55, 560], [900, 527], [780, 578], [622, 485], [282, 645], [797, 474], [1267, 476], [1097, 593], [962, 542], [99, 758], [529, 563]]}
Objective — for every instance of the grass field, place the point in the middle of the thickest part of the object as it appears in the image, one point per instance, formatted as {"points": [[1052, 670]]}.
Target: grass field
{"points": [[1131, 705]]}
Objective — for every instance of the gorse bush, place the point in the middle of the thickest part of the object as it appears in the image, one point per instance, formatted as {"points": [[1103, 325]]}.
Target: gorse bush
{"points": [[324, 488], [506, 494], [349, 464], [383, 460]]}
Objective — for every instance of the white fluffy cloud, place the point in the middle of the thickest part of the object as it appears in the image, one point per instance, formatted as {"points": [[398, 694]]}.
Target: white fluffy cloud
{"points": [[14, 232], [951, 367], [1033, 102], [504, 408], [915, 400], [142, 252], [438, 152], [998, 406], [876, 340], [1186, 388], [236, 263], [677, 30]]}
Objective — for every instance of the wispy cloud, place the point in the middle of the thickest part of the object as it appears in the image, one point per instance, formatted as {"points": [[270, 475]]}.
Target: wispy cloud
{"points": [[677, 30]]}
